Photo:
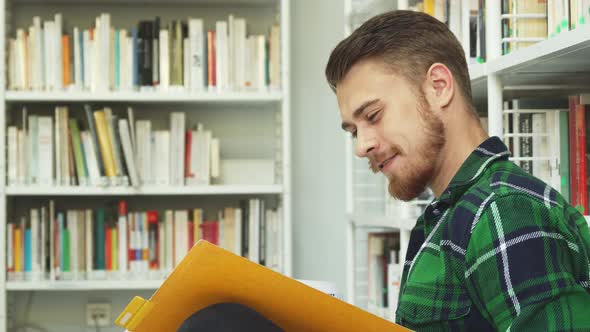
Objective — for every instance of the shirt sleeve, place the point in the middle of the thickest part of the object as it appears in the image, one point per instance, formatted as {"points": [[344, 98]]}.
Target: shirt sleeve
{"points": [[527, 266]]}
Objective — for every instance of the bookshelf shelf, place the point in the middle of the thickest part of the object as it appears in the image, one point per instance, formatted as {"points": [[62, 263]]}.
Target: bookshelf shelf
{"points": [[143, 97], [477, 72], [143, 2], [539, 68], [82, 285], [382, 222], [147, 190]]}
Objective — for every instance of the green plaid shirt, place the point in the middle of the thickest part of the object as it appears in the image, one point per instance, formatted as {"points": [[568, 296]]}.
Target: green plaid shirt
{"points": [[498, 250]]}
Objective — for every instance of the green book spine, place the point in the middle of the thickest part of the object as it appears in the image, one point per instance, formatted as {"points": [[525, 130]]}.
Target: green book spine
{"points": [[66, 253], [99, 249], [564, 154], [266, 63], [77, 145]]}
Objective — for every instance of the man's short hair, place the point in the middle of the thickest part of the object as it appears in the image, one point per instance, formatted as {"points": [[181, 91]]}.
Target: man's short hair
{"points": [[409, 42]]}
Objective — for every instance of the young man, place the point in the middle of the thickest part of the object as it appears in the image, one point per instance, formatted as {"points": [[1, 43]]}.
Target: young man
{"points": [[497, 249]]}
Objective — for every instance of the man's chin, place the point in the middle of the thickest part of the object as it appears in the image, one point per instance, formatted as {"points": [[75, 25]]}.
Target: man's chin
{"points": [[404, 192]]}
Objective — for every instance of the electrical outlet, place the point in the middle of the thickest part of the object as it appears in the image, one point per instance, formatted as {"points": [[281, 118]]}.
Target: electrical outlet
{"points": [[98, 314]]}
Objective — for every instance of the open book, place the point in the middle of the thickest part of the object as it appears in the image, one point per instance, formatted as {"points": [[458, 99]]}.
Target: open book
{"points": [[209, 274]]}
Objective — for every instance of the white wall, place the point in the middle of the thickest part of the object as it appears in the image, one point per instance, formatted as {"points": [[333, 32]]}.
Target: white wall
{"points": [[318, 145]]}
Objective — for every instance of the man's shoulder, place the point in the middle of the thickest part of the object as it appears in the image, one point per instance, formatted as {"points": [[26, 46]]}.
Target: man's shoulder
{"points": [[506, 182], [508, 188]]}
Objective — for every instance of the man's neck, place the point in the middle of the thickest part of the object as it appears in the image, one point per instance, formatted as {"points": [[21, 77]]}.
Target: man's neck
{"points": [[460, 143]]}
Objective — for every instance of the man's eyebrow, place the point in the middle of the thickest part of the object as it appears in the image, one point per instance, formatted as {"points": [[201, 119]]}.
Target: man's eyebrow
{"points": [[357, 113]]}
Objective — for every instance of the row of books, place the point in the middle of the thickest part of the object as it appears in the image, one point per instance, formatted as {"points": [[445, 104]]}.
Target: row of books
{"points": [[527, 22], [551, 144], [65, 244], [524, 22], [383, 273], [108, 150], [181, 55]]}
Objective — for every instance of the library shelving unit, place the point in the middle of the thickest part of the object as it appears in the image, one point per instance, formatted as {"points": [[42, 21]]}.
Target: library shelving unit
{"points": [[262, 118], [557, 66]]}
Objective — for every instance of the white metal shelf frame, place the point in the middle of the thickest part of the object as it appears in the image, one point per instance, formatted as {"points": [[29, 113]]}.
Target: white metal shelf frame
{"points": [[143, 191], [279, 98], [83, 285], [143, 96]]}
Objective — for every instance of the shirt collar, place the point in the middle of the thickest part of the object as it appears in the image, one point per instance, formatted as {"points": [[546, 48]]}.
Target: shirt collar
{"points": [[474, 166]]}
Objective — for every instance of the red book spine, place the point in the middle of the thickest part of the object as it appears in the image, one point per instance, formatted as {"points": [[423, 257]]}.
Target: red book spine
{"points": [[581, 157], [204, 231], [131, 242], [574, 191], [210, 231], [215, 226], [191, 234], [153, 239], [211, 77]]}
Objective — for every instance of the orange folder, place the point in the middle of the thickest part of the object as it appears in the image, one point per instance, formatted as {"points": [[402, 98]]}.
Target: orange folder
{"points": [[209, 274]]}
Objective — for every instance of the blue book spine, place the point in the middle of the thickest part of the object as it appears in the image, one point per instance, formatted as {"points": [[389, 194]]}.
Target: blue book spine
{"points": [[135, 57], [60, 239], [139, 244], [28, 251], [99, 249], [80, 37], [84, 158]]}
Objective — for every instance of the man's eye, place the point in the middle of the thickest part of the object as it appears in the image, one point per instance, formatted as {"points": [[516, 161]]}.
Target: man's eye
{"points": [[373, 116]]}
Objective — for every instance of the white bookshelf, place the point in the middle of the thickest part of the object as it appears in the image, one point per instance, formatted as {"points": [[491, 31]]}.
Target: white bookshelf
{"points": [[223, 109], [144, 97], [557, 66], [147, 190], [91, 285]]}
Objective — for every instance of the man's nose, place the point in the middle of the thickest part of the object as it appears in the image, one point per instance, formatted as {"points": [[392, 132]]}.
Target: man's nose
{"points": [[365, 143]]}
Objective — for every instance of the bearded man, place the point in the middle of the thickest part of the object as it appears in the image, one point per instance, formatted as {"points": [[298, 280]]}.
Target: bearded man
{"points": [[497, 249]]}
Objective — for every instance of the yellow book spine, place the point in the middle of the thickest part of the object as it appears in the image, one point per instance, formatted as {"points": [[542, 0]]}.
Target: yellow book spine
{"points": [[429, 7], [17, 250], [106, 148], [114, 251]]}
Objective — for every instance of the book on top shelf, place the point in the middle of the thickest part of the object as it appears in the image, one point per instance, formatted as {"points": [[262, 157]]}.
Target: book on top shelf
{"points": [[180, 55]]}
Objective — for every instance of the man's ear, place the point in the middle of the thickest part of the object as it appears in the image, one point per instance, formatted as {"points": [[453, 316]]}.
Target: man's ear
{"points": [[439, 86]]}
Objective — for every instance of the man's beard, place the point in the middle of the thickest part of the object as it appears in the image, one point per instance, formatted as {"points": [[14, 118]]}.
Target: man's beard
{"points": [[420, 168]]}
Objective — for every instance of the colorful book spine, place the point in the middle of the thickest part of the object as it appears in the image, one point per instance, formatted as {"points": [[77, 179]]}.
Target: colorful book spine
{"points": [[66, 250], [99, 250], [18, 252], [581, 158], [574, 190], [153, 240], [123, 237], [564, 166], [28, 251]]}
